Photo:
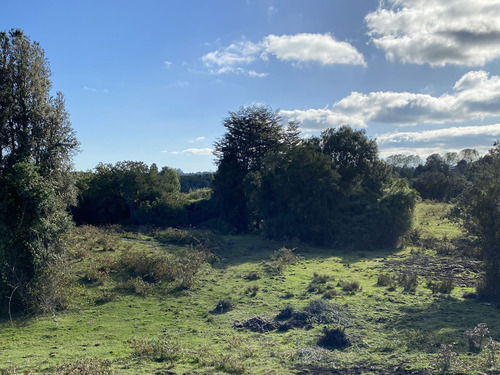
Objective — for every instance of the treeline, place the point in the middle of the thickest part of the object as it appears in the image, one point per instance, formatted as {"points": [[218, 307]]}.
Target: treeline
{"points": [[332, 189], [441, 178]]}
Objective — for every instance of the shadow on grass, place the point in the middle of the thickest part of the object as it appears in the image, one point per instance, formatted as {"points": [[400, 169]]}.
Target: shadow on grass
{"points": [[255, 248]]}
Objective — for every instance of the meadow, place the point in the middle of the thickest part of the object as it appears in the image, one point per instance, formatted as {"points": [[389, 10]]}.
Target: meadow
{"points": [[171, 301]]}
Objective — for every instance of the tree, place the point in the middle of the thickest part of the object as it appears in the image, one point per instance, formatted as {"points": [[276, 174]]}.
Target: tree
{"points": [[251, 133], [129, 192], [332, 190], [478, 211], [36, 146]]}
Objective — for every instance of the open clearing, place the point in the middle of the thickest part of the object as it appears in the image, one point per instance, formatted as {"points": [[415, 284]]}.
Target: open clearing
{"points": [[388, 304]]}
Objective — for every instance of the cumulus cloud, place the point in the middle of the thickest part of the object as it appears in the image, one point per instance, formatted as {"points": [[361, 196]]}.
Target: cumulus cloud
{"points": [[322, 48], [198, 151], [299, 48], [476, 95], [459, 32]]}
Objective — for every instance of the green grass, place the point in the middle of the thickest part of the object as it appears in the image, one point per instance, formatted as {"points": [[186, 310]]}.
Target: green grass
{"points": [[171, 330]]}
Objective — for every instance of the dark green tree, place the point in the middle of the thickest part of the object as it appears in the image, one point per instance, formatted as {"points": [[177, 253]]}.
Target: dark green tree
{"points": [[36, 146], [129, 192], [332, 190], [251, 133], [478, 211]]}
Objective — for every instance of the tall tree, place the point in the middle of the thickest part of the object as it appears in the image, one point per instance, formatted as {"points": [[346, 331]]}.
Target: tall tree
{"points": [[478, 210], [36, 146], [251, 133]]}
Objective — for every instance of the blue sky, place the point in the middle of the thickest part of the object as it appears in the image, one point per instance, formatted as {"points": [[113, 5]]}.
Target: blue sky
{"points": [[152, 80]]}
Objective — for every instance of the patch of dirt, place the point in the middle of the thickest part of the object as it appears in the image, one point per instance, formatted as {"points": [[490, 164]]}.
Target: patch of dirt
{"points": [[463, 271], [258, 324]]}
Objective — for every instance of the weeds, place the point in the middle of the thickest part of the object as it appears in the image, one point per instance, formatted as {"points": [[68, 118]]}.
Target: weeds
{"points": [[477, 337], [409, 281], [85, 366], [349, 286], [159, 350], [280, 260], [446, 358], [444, 286]]}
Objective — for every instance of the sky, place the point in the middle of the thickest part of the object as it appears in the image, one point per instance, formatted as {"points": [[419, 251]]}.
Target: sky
{"points": [[152, 81]]}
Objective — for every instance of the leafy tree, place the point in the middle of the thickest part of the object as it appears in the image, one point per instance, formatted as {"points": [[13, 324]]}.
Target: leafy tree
{"points": [[129, 192], [478, 210], [36, 146], [302, 193], [251, 133]]}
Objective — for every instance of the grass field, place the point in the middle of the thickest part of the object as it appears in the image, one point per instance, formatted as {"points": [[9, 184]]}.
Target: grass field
{"points": [[401, 311]]}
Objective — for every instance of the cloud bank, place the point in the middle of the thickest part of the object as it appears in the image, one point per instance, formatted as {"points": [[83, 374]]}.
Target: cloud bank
{"points": [[299, 48], [474, 96], [456, 32]]}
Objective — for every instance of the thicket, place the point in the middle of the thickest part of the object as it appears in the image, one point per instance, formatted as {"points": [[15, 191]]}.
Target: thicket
{"points": [[331, 189]]}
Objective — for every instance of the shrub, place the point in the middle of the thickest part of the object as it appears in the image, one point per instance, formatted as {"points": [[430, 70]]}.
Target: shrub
{"points": [[334, 338], [349, 286], [280, 260], [330, 294], [409, 281], [138, 286], [444, 286], [160, 349], [477, 337], [223, 306]]}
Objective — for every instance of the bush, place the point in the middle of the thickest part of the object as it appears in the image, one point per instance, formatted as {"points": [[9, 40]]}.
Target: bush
{"points": [[349, 286], [334, 338], [443, 286], [280, 260], [476, 337], [223, 306], [387, 280], [409, 281]]}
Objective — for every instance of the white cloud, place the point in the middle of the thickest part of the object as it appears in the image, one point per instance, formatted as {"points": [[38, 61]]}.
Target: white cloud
{"points": [[459, 32], [198, 151], [168, 64], [299, 48], [91, 89], [475, 96], [423, 152], [439, 135], [322, 48]]}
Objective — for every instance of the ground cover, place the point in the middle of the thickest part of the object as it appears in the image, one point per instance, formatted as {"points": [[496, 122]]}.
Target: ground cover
{"points": [[259, 307]]}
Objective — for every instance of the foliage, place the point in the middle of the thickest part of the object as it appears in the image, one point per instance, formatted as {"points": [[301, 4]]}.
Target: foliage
{"points": [[251, 133], [332, 189], [334, 338], [36, 146], [130, 193], [478, 211]]}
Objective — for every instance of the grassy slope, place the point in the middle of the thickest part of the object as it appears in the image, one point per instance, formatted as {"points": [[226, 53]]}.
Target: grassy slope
{"points": [[389, 329]]}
